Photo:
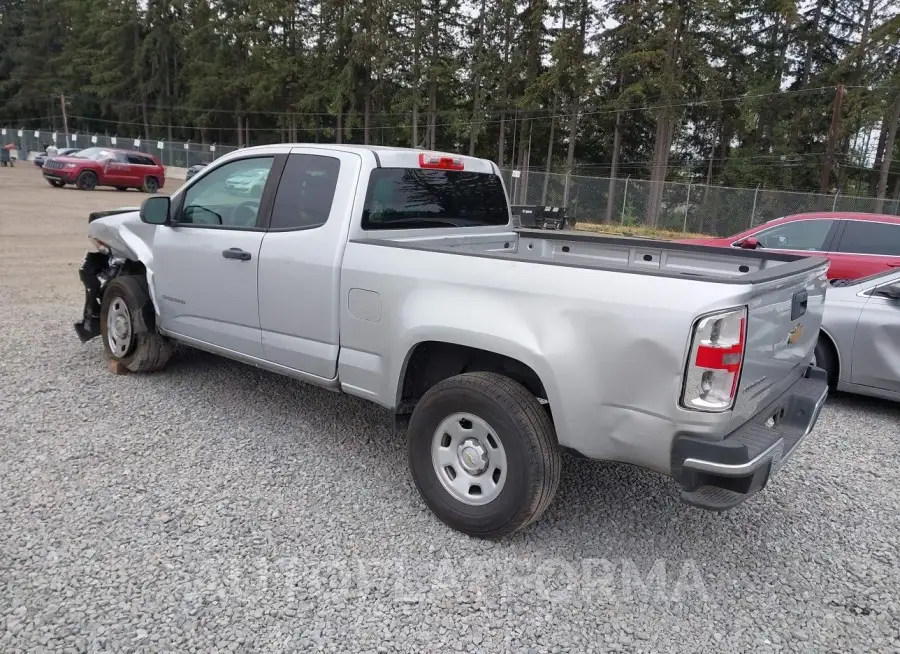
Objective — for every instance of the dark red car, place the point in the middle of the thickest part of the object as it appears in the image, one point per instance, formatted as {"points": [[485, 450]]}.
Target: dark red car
{"points": [[857, 244], [93, 167]]}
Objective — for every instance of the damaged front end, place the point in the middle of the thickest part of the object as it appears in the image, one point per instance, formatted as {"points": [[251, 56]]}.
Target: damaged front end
{"points": [[96, 271], [99, 267]]}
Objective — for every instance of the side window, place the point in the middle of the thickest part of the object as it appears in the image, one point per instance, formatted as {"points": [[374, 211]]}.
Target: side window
{"points": [[863, 237], [799, 235], [306, 192], [140, 160], [228, 196]]}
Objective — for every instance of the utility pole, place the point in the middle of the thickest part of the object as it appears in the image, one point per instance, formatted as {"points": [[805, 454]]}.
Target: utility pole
{"points": [[833, 132], [62, 102]]}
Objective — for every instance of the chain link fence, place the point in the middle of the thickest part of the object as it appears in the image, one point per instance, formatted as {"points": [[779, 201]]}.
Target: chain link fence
{"points": [[170, 153], [694, 208], [688, 208]]}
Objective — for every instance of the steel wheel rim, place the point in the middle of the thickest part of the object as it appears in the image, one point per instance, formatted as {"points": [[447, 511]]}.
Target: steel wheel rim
{"points": [[469, 459], [151, 186], [119, 334]]}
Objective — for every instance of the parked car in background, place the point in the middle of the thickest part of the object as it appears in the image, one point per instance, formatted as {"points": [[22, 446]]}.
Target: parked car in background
{"points": [[193, 170], [41, 159], [859, 343], [93, 167], [857, 244], [249, 182], [398, 276]]}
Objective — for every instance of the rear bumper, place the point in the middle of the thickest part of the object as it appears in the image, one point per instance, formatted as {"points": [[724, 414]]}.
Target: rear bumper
{"points": [[719, 475]]}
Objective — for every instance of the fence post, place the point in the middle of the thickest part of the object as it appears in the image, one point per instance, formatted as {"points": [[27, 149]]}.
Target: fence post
{"points": [[836, 196], [753, 210], [625, 198], [566, 188], [687, 208]]}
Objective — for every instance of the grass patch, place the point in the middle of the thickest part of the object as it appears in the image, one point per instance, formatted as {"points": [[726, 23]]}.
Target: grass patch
{"points": [[642, 232]]}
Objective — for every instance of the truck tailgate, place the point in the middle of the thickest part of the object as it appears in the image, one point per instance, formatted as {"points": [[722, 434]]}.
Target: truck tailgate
{"points": [[783, 323]]}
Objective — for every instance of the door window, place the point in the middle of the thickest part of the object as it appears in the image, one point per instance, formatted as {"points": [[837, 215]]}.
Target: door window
{"points": [[306, 192], [869, 237], [228, 196], [799, 235]]}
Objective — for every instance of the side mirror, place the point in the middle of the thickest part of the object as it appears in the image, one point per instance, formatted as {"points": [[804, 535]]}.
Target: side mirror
{"points": [[749, 243], [891, 291], [155, 210]]}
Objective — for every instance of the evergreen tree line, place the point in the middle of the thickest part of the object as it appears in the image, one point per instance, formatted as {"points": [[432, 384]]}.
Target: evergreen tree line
{"points": [[797, 94]]}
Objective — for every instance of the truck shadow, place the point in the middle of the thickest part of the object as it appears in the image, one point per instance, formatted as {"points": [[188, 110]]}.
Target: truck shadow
{"points": [[606, 510]]}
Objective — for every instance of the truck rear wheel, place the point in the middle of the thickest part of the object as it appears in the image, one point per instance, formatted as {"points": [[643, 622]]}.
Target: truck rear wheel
{"points": [[127, 326], [151, 185], [87, 181], [483, 454]]}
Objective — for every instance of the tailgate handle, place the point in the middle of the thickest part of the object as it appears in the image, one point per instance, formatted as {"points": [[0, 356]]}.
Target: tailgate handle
{"points": [[798, 304]]}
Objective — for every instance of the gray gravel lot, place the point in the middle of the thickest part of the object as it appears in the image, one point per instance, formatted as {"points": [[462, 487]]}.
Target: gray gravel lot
{"points": [[216, 506]]}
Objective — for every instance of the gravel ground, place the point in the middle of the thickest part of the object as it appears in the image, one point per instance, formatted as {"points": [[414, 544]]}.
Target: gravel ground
{"points": [[217, 507]]}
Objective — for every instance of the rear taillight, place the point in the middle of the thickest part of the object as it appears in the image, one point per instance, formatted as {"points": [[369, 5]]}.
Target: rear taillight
{"points": [[440, 162], [714, 365]]}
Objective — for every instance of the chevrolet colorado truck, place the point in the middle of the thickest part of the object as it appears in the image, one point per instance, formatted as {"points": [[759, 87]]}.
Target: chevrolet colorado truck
{"points": [[122, 169], [396, 275]]}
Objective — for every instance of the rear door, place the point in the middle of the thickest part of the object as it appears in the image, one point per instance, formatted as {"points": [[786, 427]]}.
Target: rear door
{"points": [[139, 166], [863, 248], [300, 260]]}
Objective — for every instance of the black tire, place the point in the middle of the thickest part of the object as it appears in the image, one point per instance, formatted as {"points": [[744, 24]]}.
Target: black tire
{"points": [[56, 183], [121, 188], [151, 185], [148, 350], [527, 435], [87, 181], [826, 358]]}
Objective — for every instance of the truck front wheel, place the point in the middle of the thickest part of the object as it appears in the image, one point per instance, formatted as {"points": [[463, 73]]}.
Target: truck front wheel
{"points": [[127, 326], [87, 181], [483, 454]]}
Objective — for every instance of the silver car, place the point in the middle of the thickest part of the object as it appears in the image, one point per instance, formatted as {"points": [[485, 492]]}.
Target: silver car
{"points": [[859, 344]]}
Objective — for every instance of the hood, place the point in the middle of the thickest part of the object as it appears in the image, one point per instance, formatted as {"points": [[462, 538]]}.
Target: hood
{"points": [[123, 232], [65, 159]]}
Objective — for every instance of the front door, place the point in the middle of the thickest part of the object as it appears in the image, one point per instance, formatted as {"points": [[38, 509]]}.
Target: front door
{"points": [[876, 348], [206, 264], [116, 170]]}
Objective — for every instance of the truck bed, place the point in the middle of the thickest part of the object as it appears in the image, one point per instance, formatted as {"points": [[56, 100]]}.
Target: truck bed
{"points": [[633, 255]]}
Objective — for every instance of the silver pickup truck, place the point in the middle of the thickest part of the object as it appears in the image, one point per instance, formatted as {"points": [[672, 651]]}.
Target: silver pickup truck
{"points": [[399, 276]]}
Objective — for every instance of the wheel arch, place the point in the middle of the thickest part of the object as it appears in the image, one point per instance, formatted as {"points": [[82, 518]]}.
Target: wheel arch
{"points": [[429, 362], [829, 340]]}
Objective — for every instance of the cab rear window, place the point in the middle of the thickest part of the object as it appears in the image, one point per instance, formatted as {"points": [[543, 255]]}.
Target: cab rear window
{"points": [[413, 198]]}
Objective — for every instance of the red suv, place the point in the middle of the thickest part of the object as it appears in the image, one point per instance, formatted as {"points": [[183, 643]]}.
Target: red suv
{"points": [[95, 167], [857, 244]]}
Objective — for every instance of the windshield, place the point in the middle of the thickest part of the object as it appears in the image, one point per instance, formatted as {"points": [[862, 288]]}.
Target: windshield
{"points": [[95, 154], [400, 198]]}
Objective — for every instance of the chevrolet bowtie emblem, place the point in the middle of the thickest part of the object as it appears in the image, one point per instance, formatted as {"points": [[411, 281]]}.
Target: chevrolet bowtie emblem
{"points": [[795, 334]]}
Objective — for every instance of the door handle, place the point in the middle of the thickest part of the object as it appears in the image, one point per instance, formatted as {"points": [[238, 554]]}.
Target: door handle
{"points": [[894, 265], [236, 253]]}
